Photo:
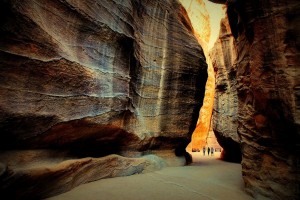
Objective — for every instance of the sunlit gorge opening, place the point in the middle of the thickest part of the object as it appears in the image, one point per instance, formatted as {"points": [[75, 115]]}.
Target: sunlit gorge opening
{"points": [[205, 18]]}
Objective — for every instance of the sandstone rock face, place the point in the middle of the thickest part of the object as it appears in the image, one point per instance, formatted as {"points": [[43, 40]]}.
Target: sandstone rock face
{"points": [[74, 70], [200, 134], [267, 78], [224, 120], [199, 18], [37, 174], [95, 78]]}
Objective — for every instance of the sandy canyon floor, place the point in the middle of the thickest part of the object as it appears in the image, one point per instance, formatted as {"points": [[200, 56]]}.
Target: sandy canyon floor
{"points": [[206, 178]]}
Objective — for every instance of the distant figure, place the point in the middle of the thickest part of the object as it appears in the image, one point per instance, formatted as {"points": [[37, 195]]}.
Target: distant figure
{"points": [[212, 151], [208, 150], [204, 151]]}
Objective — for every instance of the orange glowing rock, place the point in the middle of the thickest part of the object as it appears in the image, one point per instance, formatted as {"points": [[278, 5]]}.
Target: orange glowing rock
{"points": [[203, 29]]}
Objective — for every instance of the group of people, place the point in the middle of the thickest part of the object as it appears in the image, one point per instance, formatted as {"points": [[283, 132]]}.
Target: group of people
{"points": [[209, 151]]}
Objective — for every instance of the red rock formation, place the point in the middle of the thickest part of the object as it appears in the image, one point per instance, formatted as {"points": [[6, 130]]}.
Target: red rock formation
{"points": [[268, 94], [96, 78], [200, 20]]}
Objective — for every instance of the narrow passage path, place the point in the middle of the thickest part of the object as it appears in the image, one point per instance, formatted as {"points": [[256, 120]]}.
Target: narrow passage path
{"points": [[206, 178]]}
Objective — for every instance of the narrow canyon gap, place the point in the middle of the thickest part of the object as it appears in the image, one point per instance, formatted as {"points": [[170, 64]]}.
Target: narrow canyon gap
{"points": [[115, 87], [205, 18], [255, 114]]}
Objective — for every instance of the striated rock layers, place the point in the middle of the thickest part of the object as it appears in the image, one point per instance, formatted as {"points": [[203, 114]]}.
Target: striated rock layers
{"points": [[94, 78], [36, 174], [225, 111], [267, 84]]}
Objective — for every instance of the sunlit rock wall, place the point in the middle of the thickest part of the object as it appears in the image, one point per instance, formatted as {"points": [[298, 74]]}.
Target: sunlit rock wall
{"points": [[92, 78], [200, 134], [199, 16], [225, 112], [268, 82]]}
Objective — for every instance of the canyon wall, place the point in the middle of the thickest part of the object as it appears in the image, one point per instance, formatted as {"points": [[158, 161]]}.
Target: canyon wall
{"points": [[267, 84], [224, 120], [94, 78]]}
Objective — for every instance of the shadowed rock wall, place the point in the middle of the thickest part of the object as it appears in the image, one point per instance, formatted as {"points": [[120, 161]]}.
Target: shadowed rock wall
{"points": [[267, 78], [74, 70], [225, 111], [93, 78]]}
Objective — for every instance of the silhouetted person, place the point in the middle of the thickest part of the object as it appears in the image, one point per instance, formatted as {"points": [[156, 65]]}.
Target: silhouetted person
{"points": [[208, 150], [204, 151], [212, 151]]}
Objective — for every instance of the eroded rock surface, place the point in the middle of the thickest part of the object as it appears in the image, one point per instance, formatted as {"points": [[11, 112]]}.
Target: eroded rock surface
{"points": [[133, 69], [225, 112], [267, 81], [37, 174], [98, 77]]}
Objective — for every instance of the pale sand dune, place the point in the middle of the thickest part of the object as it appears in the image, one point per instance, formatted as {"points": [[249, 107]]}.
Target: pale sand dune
{"points": [[206, 178]]}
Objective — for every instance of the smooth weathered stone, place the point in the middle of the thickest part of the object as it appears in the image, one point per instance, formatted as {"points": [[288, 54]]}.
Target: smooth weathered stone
{"points": [[94, 78], [134, 69], [37, 174]]}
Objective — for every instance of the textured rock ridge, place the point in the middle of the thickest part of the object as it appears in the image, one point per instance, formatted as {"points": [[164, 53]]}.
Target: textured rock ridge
{"points": [[267, 81], [94, 78], [225, 112], [37, 174], [108, 67]]}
